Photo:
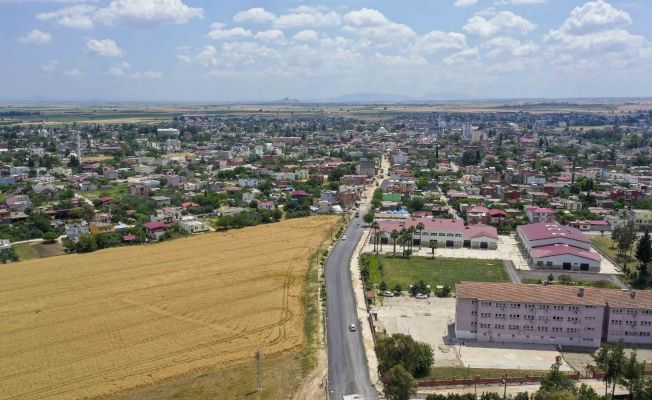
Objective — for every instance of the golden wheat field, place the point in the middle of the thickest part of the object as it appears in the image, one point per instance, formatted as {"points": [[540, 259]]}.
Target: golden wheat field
{"points": [[90, 325]]}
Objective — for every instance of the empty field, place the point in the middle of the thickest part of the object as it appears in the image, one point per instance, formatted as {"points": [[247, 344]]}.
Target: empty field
{"points": [[98, 324], [440, 271]]}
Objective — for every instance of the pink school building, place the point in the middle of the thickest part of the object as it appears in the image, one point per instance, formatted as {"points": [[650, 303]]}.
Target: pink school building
{"points": [[554, 314]]}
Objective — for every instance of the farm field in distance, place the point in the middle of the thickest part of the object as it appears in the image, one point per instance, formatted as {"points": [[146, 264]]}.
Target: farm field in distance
{"points": [[440, 271], [101, 324]]}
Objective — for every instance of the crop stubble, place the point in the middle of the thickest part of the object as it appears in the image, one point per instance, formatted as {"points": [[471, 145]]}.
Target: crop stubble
{"points": [[95, 324]]}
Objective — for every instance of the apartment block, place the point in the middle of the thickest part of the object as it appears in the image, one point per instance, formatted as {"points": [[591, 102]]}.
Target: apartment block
{"points": [[553, 314]]}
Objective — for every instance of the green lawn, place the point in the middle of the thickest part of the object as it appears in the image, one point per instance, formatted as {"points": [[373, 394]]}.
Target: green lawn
{"points": [[440, 271], [117, 190], [603, 243], [25, 251], [463, 373]]}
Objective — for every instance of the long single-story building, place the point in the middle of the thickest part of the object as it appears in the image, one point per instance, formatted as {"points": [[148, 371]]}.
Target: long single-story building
{"points": [[445, 232], [550, 245]]}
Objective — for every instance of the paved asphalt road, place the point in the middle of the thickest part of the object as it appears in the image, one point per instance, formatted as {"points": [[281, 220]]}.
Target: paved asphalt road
{"points": [[347, 364]]}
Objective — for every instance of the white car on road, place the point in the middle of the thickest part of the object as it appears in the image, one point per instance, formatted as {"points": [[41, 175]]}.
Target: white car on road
{"points": [[344, 237], [352, 328], [421, 296]]}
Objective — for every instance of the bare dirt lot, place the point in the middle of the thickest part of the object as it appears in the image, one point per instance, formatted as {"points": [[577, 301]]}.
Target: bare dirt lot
{"points": [[433, 321], [97, 324]]}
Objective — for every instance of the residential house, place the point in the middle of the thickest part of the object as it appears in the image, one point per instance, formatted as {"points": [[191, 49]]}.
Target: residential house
{"points": [[155, 230]]}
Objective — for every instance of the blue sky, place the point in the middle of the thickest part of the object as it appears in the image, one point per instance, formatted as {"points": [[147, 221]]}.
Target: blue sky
{"points": [[208, 50]]}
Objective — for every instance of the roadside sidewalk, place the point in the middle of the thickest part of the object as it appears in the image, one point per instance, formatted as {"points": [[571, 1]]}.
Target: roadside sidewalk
{"points": [[363, 315]]}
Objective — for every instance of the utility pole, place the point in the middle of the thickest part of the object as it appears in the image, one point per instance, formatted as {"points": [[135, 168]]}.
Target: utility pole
{"points": [[259, 370]]}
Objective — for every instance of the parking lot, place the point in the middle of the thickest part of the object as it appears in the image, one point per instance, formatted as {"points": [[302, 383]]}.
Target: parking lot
{"points": [[432, 321]]}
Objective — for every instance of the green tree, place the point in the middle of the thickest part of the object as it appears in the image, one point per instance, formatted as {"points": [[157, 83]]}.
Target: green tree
{"points": [[420, 228], [50, 236], [644, 249], [633, 373], [626, 239], [610, 359], [558, 395], [85, 244], [585, 392], [433, 245], [398, 383], [555, 380], [394, 235], [417, 357], [368, 218], [397, 289]]}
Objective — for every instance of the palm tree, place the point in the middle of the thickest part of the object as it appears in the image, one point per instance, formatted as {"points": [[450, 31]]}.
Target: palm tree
{"points": [[403, 238], [433, 246], [379, 236], [394, 235], [420, 228], [375, 226], [411, 230]]}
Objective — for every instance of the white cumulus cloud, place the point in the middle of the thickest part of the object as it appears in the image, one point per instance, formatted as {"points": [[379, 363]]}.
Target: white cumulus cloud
{"points": [[76, 17], [465, 3], [147, 12], [218, 32], [36, 37], [146, 75], [307, 35], [593, 16], [435, 41], [504, 21], [104, 47], [50, 66], [256, 15], [307, 16], [272, 35], [372, 24]]}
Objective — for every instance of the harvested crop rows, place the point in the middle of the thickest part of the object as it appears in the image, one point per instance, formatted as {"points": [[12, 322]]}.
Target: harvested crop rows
{"points": [[95, 324]]}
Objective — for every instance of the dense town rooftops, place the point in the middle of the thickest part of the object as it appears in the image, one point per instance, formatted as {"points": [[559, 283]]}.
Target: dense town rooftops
{"points": [[553, 294]]}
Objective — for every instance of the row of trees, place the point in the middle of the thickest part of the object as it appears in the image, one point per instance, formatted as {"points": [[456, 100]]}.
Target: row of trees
{"points": [[249, 218], [624, 239], [404, 237]]}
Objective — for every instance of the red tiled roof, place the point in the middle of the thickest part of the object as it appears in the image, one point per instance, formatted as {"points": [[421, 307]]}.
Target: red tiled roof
{"points": [[456, 225], [155, 225], [549, 230], [438, 225], [553, 294], [479, 230], [561, 249]]}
